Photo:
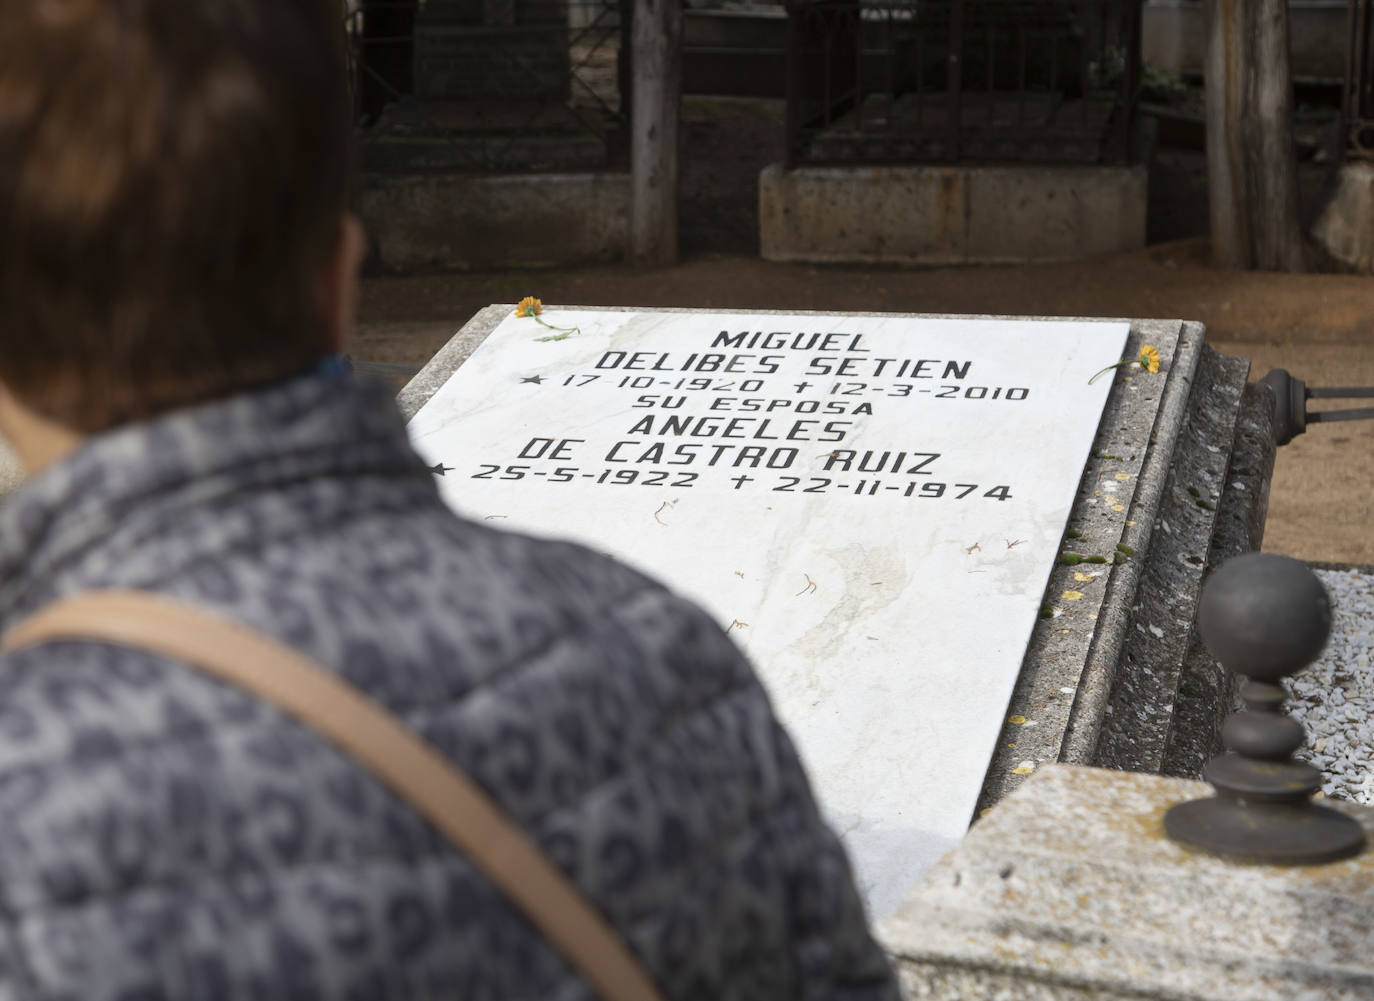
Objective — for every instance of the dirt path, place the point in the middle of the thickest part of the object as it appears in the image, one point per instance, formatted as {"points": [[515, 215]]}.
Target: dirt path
{"points": [[1319, 327]]}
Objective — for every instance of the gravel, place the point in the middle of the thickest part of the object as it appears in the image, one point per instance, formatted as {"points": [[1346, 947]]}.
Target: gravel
{"points": [[1334, 698]]}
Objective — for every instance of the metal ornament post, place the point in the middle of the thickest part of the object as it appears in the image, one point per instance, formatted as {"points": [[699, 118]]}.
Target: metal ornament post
{"points": [[1291, 415], [1264, 617]]}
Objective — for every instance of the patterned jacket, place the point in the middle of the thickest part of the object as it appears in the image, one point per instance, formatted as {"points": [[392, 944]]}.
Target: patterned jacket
{"points": [[164, 836]]}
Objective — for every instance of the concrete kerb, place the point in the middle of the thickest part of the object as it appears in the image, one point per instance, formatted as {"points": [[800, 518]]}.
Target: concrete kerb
{"points": [[1069, 890]]}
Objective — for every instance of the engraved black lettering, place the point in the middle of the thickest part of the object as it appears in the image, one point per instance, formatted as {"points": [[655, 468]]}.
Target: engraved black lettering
{"points": [[926, 458], [867, 464], [535, 448]]}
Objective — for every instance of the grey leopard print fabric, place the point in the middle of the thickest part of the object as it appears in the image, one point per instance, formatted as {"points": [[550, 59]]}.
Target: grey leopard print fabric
{"points": [[164, 836]]}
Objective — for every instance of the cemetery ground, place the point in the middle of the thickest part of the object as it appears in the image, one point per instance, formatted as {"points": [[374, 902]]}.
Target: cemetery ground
{"points": [[1320, 327]]}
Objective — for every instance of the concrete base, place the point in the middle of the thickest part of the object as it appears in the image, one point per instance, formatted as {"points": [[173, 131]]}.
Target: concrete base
{"points": [[950, 215], [1070, 890], [467, 222], [1345, 228]]}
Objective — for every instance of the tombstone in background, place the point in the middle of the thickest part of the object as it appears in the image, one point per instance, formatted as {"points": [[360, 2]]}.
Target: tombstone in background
{"points": [[511, 149], [509, 49], [492, 81], [889, 550]]}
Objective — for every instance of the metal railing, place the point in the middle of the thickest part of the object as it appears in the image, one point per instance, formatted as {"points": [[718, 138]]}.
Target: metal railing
{"points": [[1358, 97], [488, 85], [881, 81]]}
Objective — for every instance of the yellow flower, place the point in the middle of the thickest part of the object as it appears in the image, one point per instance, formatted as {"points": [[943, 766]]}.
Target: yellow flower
{"points": [[1148, 359], [530, 306]]}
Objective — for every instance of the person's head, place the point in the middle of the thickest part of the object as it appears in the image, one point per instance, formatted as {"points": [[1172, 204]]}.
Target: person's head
{"points": [[174, 182]]}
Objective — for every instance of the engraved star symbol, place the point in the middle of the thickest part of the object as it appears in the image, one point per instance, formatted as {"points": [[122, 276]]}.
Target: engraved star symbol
{"points": [[536, 379], [439, 469]]}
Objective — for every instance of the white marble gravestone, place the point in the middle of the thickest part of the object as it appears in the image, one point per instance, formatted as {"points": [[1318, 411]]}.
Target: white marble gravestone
{"points": [[870, 505]]}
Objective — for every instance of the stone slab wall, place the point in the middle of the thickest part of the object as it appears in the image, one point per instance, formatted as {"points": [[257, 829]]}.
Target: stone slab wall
{"points": [[936, 215], [469, 222], [1174, 36]]}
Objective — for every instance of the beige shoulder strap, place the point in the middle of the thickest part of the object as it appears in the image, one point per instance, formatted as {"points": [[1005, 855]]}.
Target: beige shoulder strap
{"points": [[375, 739]]}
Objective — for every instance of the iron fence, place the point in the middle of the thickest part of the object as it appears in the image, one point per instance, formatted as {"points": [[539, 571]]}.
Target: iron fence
{"points": [[1358, 96], [489, 85], [881, 81]]}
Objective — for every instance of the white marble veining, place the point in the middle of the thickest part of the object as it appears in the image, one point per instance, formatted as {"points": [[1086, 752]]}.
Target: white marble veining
{"points": [[870, 505]]}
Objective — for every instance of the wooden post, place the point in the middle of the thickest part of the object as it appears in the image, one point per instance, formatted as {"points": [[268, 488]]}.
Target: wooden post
{"points": [[656, 78], [1252, 177]]}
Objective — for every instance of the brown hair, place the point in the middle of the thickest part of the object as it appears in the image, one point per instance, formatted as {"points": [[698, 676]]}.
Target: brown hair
{"points": [[173, 175]]}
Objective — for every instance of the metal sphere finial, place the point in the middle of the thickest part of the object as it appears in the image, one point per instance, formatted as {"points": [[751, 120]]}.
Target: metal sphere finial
{"points": [[1264, 617]]}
